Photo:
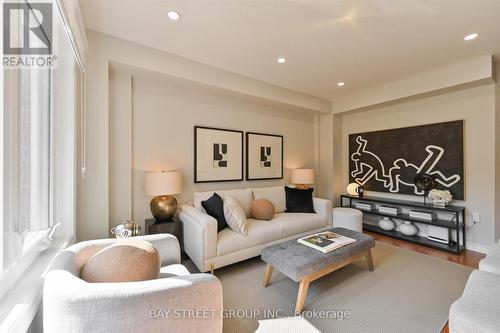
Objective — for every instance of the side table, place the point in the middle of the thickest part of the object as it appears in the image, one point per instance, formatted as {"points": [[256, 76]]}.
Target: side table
{"points": [[173, 227]]}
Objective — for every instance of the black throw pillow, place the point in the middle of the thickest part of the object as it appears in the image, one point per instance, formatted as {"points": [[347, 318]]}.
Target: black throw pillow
{"points": [[214, 206], [299, 200]]}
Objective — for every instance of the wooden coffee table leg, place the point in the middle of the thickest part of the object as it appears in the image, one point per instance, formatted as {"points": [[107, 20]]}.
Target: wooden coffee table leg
{"points": [[269, 273], [301, 297], [369, 259]]}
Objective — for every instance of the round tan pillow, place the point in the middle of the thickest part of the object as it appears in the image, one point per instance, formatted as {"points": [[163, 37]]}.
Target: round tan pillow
{"points": [[262, 209], [127, 260]]}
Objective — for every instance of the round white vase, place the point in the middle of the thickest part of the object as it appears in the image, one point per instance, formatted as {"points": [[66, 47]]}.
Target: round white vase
{"points": [[387, 224], [407, 228]]}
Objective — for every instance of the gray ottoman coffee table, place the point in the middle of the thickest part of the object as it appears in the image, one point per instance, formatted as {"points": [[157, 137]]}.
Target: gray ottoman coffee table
{"points": [[304, 264]]}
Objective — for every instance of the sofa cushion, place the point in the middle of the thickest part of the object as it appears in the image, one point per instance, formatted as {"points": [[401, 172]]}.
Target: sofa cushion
{"points": [[243, 196], [492, 261], [126, 260], [297, 223], [235, 216], [262, 209], [258, 232], [214, 206], [275, 194], [299, 200]]}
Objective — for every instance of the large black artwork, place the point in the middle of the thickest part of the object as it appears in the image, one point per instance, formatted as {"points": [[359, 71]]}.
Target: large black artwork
{"points": [[389, 160]]}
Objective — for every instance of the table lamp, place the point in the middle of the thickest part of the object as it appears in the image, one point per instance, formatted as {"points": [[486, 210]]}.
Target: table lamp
{"points": [[355, 189], [302, 178], [162, 185]]}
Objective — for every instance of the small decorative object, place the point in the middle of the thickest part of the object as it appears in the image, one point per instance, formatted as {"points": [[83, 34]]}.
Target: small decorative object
{"points": [[422, 215], [389, 210], [368, 206], [407, 228], [126, 229], [440, 198], [360, 190], [425, 182], [162, 185], [438, 234], [352, 189], [302, 178], [387, 224], [218, 155], [264, 156]]}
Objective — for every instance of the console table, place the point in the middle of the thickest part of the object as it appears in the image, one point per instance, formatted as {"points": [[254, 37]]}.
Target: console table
{"points": [[454, 220]]}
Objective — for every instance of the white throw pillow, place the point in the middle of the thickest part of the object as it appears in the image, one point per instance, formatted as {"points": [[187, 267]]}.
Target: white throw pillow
{"points": [[275, 194], [235, 215]]}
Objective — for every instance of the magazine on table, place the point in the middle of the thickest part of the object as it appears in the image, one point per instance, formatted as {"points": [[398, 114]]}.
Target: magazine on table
{"points": [[326, 241]]}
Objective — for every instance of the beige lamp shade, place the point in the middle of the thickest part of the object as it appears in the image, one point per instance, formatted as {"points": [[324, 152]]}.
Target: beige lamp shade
{"points": [[303, 176], [351, 188], [162, 183]]}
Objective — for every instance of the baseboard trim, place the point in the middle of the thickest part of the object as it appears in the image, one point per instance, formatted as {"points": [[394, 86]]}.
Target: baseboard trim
{"points": [[477, 247]]}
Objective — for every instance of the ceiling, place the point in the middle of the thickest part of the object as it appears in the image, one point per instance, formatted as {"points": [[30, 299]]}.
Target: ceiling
{"points": [[359, 42]]}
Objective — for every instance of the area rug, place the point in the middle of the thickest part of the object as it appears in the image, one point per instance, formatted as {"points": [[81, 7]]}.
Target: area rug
{"points": [[407, 292]]}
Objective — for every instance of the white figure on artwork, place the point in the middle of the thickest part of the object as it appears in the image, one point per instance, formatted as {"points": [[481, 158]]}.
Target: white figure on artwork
{"points": [[369, 165]]}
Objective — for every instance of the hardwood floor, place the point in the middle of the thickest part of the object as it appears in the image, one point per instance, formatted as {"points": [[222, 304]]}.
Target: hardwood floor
{"points": [[467, 258]]}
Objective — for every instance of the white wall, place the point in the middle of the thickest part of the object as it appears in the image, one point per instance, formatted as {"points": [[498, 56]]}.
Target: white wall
{"points": [[477, 107], [478, 70], [497, 151], [96, 184], [120, 144], [163, 116]]}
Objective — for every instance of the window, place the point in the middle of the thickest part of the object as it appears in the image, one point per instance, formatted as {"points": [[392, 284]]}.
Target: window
{"points": [[26, 162], [33, 156], [37, 173]]}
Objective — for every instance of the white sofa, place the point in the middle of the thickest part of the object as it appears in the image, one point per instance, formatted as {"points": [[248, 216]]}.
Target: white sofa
{"points": [[210, 250], [478, 308], [73, 305]]}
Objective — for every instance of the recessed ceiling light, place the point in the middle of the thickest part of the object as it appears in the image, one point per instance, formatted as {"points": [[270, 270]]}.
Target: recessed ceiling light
{"points": [[471, 37], [173, 15], [281, 60], [340, 84]]}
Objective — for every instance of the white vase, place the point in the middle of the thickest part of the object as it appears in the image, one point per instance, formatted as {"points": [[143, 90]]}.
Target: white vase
{"points": [[386, 224], [409, 229]]}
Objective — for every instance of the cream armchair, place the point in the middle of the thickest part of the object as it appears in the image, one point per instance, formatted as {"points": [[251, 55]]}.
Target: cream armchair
{"points": [[175, 302]]}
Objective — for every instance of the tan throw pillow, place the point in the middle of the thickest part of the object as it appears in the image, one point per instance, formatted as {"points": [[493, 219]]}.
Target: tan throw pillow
{"points": [[235, 215], [127, 260], [262, 209]]}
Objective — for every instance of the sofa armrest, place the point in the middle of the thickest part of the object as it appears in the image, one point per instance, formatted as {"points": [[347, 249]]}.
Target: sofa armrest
{"points": [[200, 235], [146, 306], [324, 208]]}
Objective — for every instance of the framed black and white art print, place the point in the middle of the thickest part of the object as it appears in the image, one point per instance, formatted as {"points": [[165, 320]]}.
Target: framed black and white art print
{"points": [[218, 155], [264, 156]]}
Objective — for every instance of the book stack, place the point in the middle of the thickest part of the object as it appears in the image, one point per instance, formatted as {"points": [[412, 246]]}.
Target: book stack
{"points": [[326, 241]]}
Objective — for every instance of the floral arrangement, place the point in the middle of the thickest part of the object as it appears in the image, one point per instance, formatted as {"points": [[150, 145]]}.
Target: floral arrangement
{"points": [[440, 197]]}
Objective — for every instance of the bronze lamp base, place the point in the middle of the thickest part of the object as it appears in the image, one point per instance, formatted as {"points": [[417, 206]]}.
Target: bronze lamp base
{"points": [[163, 207]]}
